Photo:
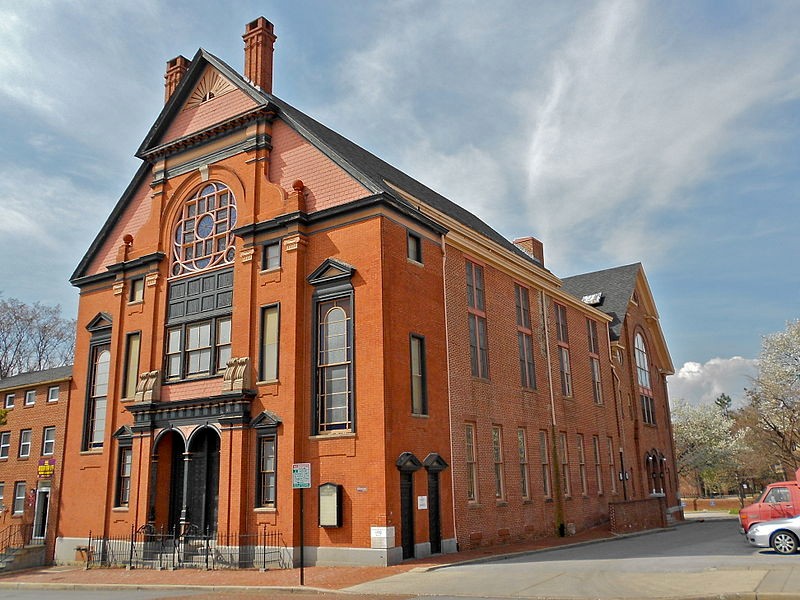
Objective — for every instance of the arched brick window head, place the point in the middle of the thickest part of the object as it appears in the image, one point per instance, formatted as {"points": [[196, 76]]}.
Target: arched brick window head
{"points": [[203, 235]]}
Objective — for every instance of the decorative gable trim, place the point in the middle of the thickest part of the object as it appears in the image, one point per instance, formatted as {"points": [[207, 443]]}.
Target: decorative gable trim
{"points": [[435, 463], [331, 271], [100, 322], [211, 85], [408, 463], [266, 420], [123, 433]]}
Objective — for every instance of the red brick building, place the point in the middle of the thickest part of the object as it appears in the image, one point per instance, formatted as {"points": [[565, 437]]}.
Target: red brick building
{"points": [[267, 293], [31, 455]]}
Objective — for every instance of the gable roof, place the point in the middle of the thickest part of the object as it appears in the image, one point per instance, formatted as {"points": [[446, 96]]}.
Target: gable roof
{"points": [[375, 174], [33, 378], [616, 285]]}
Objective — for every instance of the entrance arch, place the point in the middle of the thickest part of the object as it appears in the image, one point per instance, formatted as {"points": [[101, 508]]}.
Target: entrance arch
{"points": [[186, 489]]}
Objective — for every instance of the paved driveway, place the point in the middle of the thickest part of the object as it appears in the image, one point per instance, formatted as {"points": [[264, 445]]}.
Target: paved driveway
{"points": [[697, 560]]}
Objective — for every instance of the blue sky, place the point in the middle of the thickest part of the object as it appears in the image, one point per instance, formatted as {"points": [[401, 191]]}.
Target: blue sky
{"points": [[616, 132]]}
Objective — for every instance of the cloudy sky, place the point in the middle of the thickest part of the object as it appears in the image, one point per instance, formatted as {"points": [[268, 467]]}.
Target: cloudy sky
{"points": [[616, 132]]}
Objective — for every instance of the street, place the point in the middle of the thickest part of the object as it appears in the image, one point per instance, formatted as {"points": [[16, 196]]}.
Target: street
{"points": [[706, 559]]}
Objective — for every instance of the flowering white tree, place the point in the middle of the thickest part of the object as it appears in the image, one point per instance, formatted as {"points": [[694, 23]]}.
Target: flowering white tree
{"points": [[708, 444], [775, 396]]}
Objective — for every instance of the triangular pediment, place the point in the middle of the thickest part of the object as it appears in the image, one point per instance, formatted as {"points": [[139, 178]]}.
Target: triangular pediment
{"points": [[123, 432], [408, 463], [100, 321], [208, 86], [266, 419], [435, 463], [331, 270]]}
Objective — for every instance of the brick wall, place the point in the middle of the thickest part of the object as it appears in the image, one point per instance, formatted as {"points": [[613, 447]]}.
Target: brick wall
{"points": [[637, 515]]}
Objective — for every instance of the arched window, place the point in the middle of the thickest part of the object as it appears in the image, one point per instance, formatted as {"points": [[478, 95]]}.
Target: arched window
{"points": [[334, 363], [203, 235], [655, 464], [98, 397], [642, 365]]}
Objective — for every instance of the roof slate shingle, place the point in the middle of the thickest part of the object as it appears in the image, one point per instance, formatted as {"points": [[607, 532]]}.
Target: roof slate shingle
{"points": [[36, 377]]}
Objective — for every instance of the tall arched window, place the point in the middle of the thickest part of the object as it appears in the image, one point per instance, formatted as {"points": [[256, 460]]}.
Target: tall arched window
{"points": [[98, 396], [642, 365], [203, 235], [643, 376], [334, 363]]}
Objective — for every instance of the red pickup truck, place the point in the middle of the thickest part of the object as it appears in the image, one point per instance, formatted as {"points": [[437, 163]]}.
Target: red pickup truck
{"points": [[778, 501]]}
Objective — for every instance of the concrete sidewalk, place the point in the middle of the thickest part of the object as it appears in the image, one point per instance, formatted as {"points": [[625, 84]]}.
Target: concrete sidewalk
{"points": [[439, 575]]}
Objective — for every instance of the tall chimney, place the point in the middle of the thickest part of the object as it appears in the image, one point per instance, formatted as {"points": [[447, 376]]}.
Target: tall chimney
{"points": [[259, 38], [532, 247], [176, 68]]}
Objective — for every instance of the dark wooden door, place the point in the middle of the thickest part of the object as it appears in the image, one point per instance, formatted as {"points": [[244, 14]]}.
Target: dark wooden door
{"points": [[202, 491], [434, 514], [407, 514]]}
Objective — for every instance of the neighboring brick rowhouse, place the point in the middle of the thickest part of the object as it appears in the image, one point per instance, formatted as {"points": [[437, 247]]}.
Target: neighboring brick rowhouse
{"points": [[267, 293], [36, 404]]}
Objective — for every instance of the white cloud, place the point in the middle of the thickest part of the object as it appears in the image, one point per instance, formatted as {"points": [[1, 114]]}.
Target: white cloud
{"points": [[634, 116], [698, 383]]}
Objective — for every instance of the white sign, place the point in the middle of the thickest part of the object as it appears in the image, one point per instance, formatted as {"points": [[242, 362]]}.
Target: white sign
{"points": [[301, 476], [381, 537], [422, 503]]}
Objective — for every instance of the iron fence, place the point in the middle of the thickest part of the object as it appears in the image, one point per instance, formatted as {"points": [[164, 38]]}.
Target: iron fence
{"points": [[149, 548], [17, 536]]}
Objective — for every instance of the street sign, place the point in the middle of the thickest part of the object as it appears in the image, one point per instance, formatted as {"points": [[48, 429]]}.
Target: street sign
{"points": [[301, 476]]}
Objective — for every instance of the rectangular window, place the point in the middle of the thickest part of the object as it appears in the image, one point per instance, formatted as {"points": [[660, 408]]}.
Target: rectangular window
{"points": [[561, 324], [598, 469], [497, 459], [564, 368], [269, 342], [612, 471], [266, 471], [19, 498], [476, 308], [544, 458], [419, 395], [334, 365], [414, 247], [597, 386], [132, 347], [582, 465], [648, 409], [522, 449], [591, 331], [198, 348], [471, 463], [5, 443], [198, 332], [30, 397], [25, 443], [2, 495], [124, 466], [9, 401], [174, 353], [53, 393], [565, 476], [136, 293], [271, 258], [48, 441], [524, 337]]}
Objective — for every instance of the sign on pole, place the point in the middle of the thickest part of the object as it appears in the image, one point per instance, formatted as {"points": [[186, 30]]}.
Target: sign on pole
{"points": [[301, 476]]}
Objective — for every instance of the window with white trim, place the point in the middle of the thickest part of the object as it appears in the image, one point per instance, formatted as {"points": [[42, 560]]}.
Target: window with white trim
{"points": [[598, 469], [48, 441], [53, 393], [10, 400], [582, 465], [19, 498], [30, 397], [471, 462], [25, 436], [544, 459], [524, 477], [565, 475], [497, 459], [5, 443]]}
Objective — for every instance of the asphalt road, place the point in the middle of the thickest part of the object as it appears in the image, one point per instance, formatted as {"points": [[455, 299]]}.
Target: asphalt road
{"points": [[697, 560]]}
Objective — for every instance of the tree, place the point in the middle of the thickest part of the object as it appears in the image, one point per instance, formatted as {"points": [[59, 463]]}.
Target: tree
{"points": [[33, 337], [775, 397], [707, 445]]}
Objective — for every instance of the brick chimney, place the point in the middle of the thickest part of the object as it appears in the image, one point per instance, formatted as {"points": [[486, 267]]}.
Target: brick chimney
{"points": [[532, 247], [259, 38], [176, 68]]}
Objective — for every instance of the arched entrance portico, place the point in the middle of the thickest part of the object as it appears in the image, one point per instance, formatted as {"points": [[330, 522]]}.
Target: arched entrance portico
{"points": [[186, 481]]}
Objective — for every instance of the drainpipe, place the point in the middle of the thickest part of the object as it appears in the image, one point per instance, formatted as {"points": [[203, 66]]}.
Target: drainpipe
{"points": [[449, 388], [558, 492]]}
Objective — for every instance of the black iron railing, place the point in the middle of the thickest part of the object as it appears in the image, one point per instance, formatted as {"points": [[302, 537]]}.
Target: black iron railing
{"points": [[17, 536], [151, 548]]}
